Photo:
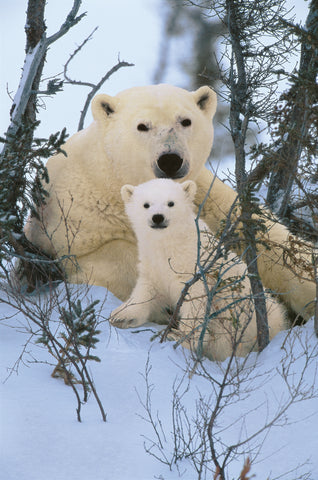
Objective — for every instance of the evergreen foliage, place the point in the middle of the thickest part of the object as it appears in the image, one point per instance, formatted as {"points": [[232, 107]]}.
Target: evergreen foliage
{"points": [[78, 330], [23, 175]]}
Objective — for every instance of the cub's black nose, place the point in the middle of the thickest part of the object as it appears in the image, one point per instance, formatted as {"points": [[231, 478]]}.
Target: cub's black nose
{"points": [[158, 221], [158, 218], [170, 164]]}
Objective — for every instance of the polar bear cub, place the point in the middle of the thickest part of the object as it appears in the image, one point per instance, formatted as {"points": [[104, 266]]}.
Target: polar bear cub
{"points": [[217, 312]]}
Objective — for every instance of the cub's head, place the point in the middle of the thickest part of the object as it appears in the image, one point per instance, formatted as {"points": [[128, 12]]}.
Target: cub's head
{"points": [[159, 204], [158, 131]]}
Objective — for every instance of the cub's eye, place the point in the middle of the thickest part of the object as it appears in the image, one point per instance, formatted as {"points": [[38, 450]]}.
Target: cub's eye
{"points": [[146, 205], [170, 204], [186, 122], [142, 127]]}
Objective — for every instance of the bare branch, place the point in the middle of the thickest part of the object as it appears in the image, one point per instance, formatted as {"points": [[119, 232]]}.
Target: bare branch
{"points": [[67, 78], [95, 89], [70, 21]]}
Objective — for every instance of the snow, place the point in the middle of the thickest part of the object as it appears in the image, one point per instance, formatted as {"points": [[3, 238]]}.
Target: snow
{"points": [[41, 437], [31, 62]]}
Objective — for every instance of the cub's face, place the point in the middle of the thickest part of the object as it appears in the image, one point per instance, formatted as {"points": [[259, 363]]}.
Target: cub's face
{"points": [[158, 204], [157, 131]]}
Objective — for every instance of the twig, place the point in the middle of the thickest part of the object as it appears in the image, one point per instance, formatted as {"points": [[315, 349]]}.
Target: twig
{"points": [[67, 78], [94, 87], [70, 21]]}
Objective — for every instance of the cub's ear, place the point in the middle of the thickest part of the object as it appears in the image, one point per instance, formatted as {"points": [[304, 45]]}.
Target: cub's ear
{"points": [[126, 192], [189, 188], [103, 106], [206, 100]]}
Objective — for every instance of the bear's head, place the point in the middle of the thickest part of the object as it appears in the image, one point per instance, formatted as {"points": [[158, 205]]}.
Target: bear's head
{"points": [[158, 203], [156, 131]]}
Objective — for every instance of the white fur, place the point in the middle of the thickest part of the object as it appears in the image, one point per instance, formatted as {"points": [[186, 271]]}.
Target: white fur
{"points": [[168, 259], [84, 215]]}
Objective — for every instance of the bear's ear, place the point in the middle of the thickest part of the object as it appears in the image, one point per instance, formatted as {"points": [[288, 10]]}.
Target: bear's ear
{"points": [[103, 106], [126, 192], [189, 188], [206, 100]]}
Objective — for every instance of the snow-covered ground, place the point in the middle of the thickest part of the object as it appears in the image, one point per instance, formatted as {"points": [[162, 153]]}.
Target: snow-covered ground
{"points": [[42, 439]]}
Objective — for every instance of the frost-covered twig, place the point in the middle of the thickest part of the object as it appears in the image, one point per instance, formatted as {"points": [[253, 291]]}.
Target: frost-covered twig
{"points": [[32, 64]]}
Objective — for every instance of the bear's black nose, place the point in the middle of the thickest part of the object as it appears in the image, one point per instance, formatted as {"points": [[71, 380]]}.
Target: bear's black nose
{"points": [[158, 218], [169, 164]]}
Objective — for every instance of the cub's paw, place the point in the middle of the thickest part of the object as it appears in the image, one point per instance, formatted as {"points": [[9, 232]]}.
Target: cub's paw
{"points": [[125, 317], [123, 322]]}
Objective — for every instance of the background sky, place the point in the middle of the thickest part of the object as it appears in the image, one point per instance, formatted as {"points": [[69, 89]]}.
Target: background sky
{"points": [[128, 29]]}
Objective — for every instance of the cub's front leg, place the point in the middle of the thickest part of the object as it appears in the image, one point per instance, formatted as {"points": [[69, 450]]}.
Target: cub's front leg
{"points": [[137, 310]]}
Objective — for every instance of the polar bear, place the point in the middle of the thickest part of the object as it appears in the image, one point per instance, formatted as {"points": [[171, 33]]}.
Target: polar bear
{"points": [[162, 215], [156, 131]]}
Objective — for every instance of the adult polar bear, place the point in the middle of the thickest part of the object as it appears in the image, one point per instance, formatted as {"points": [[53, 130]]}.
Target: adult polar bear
{"points": [[139, 134]]}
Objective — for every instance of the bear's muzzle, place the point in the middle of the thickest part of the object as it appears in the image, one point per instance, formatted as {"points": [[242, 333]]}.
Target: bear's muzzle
{"points": [[171, 165]]}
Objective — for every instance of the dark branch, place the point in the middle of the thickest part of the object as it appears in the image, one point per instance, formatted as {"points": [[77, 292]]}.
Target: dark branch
{"points": [[96, 87], [70, 21], [67, 78]]}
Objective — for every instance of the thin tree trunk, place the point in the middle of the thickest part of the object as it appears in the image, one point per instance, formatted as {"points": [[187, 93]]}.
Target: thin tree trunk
{"points": [[239, 101], [297, 122]]}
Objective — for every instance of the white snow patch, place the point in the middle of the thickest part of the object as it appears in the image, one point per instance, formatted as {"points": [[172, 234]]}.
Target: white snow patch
{"points": [[41, 438]]}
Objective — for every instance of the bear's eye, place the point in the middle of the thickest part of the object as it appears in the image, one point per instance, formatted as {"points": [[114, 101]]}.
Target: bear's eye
{"points": [[146, 205], [186, 122], [170, 204], [142, 127]]}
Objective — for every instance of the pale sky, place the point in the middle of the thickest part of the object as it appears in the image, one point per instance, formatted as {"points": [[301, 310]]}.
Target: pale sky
{"points": [[130, 29]]}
